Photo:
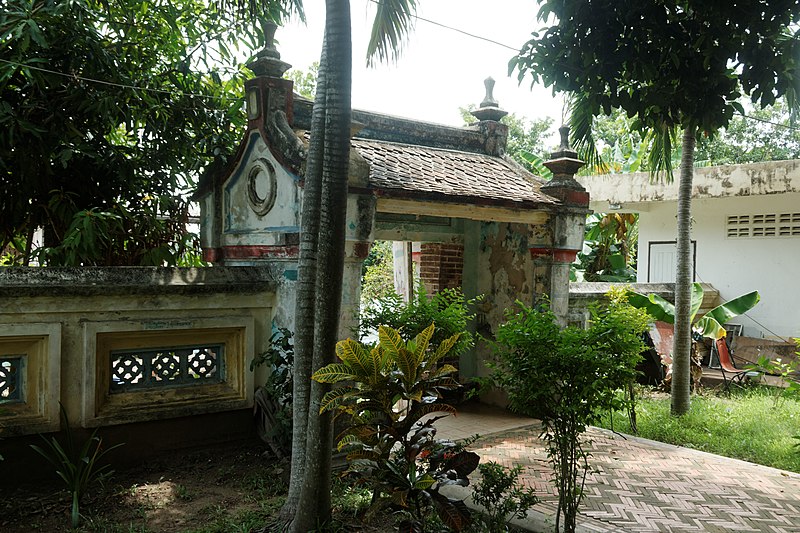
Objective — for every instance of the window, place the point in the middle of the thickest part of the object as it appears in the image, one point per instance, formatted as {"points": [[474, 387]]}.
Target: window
{"points": [[30, 378]]}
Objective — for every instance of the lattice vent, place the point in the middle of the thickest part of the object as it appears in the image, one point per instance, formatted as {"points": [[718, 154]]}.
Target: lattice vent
{"points": [[11, 378], [763, 225], [166, 367]]}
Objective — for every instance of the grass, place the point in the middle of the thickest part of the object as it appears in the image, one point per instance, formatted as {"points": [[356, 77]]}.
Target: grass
{"points": [[751, 424]]}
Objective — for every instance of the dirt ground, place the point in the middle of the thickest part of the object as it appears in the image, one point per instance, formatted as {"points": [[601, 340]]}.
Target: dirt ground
{"points": [[224, 489]]}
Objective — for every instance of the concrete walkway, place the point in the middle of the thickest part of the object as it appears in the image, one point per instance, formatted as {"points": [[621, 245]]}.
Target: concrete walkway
{"points": [[636, 484]]}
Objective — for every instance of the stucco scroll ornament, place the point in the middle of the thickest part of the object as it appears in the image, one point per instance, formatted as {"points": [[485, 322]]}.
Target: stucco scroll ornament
{"points": [[284, 138], [262, 186]]}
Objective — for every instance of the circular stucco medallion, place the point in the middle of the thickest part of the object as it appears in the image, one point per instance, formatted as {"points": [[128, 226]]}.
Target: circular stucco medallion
{"points": [[262, 186]]}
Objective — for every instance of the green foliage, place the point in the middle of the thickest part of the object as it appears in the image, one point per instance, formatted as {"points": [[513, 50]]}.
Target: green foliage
{"points": [[387, 391], [764, 135], [744, 424], [305, 82], [710, 324], [447, 309], [274, 399], [502, 496], [377, 280], [78, 467], [786, 370], [610, 243], [566, 376], [700, 57], [108, 113]]}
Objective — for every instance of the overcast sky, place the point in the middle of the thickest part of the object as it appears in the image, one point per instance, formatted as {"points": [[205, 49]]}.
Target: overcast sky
{"points": [[440, 69]]}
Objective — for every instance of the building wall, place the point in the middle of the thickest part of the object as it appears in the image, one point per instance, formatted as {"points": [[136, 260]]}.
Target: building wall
{"points": [[737, 265]]}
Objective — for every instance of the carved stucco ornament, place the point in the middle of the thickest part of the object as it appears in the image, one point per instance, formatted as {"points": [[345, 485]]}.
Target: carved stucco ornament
{"points": [[262, 187]]}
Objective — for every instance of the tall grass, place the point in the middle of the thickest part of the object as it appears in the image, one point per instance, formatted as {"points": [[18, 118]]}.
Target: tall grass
{"points": [[751, 424]]}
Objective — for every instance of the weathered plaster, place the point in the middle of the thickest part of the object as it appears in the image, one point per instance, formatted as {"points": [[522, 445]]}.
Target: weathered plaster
{"points": [[64, 303], [629, 190]]}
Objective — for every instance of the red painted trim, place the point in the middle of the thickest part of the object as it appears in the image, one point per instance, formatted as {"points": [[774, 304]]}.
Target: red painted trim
{"points": [[558, 255], [261, 252], [361, 249], [212, 255], [541, 252], [564, 256]]}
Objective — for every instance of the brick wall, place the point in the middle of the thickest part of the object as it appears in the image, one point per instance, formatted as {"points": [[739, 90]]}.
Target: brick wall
{"points": [[441, 266]]}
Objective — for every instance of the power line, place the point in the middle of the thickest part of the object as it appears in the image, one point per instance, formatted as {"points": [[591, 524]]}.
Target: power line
{"points": [[120, 85], [765, 121], [457, 30]]}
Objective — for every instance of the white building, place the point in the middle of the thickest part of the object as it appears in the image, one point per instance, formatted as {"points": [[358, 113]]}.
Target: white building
{"points": [[745, 232]]}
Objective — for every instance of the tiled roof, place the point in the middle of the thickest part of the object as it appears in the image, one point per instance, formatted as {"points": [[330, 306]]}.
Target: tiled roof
{"points": [[420, 171]]}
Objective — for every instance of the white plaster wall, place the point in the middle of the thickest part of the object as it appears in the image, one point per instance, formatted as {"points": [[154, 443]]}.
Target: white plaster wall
{"points": [[736, 266], [241, 225]]}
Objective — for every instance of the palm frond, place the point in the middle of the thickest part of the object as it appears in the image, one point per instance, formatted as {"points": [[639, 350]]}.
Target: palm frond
{"points": [[393, 23], [582, 137], [660, 157]]}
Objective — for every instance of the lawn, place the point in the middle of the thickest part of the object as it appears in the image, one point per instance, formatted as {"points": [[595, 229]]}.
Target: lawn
{"points": [[751, 424]]}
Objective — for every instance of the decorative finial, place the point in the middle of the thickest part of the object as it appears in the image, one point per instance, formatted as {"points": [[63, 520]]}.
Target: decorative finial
{"points": [[268, 61], [490, 108], [268, 27], [564, 164], [488, 100], [564, 132]]}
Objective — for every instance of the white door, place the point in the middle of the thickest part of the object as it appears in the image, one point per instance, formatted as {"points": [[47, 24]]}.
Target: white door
{"points": [[661, 261]]}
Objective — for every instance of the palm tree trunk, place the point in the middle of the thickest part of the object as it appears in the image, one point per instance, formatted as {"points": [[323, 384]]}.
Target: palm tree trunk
{"points": [[304, 304], [681, 349], [313, 505]]}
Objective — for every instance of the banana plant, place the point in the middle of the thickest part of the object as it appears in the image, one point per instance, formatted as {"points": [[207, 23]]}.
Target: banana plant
{"points": [[709, 325]]}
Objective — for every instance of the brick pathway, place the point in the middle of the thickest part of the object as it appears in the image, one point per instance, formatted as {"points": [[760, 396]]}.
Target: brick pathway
{"points": [[645, 486]]}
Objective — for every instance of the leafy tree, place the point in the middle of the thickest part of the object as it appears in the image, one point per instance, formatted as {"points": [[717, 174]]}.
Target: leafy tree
{"points": [[674, 64], [763, 135], [305, 82], [377, 279], [109, 111], [610, 242]]}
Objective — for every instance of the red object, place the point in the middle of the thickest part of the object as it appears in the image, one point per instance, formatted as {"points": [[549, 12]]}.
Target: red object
{"points": [[726, 364]]}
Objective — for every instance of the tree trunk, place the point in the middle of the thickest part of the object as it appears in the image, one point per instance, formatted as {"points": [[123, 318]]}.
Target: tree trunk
{"points": [[304, 304], [312, 507], [681, 349]]}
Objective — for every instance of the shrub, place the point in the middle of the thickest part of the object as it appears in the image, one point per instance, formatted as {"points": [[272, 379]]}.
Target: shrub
{"points": [[448, 310], [565, 377], [273, 400], [388, 390], [502, 496]]}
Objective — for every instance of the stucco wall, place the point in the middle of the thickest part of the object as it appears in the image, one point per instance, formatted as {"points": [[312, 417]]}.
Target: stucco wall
{"points": [[63, 325], [737, 265]]}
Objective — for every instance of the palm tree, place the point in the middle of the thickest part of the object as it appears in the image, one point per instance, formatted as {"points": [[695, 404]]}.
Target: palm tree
{"points": [[321, 262]]}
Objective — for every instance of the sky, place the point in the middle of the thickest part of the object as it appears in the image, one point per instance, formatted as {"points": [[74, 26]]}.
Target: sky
{"points": [[439, 70]]}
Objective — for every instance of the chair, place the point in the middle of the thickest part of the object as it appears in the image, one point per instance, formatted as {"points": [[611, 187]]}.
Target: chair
{"points": [[730, 374], [732, 331]]}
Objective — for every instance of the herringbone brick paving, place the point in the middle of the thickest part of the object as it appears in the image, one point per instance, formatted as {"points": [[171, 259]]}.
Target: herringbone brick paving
{"points": [[643, 486]]}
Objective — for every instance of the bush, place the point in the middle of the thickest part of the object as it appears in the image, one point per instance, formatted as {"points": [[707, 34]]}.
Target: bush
{"points": [[448, 310], [565, 377], [387, 391], [502, 496]]}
